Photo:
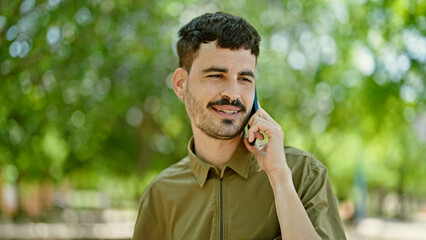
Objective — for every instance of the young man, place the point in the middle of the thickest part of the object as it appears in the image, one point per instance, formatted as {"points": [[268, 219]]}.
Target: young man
{"points": [[227, 187]]}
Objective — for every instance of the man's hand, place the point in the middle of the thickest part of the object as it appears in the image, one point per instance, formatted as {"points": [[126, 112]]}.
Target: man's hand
{"points": [[294, 221], [271, 158]]}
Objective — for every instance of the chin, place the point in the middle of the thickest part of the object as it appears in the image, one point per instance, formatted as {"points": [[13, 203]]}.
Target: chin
{"points": [[228, 121], [221, 135]]}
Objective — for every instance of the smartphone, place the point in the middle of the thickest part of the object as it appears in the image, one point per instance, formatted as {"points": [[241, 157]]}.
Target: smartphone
{"points": [[255, 103], [254, 109]]}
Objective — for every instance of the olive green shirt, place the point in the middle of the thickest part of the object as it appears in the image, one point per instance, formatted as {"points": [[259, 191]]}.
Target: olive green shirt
{"points": [[193, 199]]}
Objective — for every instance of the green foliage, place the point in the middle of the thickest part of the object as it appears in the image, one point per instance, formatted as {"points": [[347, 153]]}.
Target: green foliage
{"points": [[85, 87]]}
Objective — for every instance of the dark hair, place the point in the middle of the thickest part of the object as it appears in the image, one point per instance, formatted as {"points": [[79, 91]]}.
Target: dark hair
{"points": [[230, 32]]}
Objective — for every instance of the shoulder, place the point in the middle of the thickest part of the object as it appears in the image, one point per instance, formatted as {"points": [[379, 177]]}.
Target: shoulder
{"points": [[176, 170], [297, 158], [167, 179], [305, 167]]}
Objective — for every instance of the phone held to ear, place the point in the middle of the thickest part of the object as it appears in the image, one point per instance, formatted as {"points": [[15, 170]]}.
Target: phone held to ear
{"points": [[253, 110], [255, 103]]}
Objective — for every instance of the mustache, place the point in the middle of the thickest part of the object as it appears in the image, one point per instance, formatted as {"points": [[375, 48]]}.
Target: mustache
{"points": [[225, 101]]}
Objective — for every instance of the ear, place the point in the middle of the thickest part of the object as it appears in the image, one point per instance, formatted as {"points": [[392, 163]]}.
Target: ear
{"points": [[180, 78]]}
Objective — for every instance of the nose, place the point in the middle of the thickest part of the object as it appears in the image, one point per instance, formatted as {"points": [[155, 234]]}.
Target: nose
{"points": [[231, 90]]}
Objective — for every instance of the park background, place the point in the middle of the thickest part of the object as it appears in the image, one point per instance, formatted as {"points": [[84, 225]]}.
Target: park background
{"points": [[88, 116]]}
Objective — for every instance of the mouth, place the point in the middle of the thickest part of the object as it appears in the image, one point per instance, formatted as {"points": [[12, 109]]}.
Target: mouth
{"points": [[227, 111]]}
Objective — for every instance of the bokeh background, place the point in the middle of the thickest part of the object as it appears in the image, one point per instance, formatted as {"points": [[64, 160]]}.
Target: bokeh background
{"points": [[88, 115]]}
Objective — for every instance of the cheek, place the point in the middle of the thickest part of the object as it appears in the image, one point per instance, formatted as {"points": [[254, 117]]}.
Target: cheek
{"points": [[248, 97], [204, 91], [207, 95]]}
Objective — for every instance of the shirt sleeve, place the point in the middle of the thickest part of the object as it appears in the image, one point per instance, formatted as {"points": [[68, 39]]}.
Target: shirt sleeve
{"points": [[320, 202], [149, 224]]}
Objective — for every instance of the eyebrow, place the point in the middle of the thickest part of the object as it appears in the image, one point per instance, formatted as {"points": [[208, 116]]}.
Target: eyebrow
{"points": [[247, 73], [215, 69], [225, 70]]}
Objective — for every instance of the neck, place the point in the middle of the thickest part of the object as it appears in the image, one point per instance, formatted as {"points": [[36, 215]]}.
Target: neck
{"points": [[215, 151]]}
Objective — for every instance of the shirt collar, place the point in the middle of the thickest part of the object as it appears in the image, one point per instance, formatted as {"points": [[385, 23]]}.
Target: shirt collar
{"points": [[239, 162]]}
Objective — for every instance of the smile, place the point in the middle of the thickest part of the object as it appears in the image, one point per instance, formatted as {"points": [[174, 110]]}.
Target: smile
{"points": [[227, 111]]}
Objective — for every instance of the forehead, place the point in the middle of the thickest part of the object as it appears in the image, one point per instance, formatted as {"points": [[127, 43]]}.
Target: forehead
{"points": [[211, 55]]}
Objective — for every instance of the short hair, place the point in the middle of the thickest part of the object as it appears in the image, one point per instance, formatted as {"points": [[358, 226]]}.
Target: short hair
{"points": [[230, 32]]}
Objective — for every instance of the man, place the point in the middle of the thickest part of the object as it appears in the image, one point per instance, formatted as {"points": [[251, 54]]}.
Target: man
{"points": [[227, 187]]}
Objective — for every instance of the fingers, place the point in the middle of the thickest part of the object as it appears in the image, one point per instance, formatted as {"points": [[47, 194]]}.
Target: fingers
{"points": [[265, 115], [270, 128], [262, 121], [262, 114], [252, 148], [257, 135], [254, 131]]}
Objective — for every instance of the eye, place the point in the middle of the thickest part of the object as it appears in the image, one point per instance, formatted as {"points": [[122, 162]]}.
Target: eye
{"points": [[246, 79], [217, 76]]}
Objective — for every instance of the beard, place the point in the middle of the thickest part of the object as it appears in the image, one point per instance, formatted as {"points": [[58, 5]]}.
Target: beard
{"points": [[204, 120]]}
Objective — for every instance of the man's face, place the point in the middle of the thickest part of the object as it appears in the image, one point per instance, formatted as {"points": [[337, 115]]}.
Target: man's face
{"points": [[220, 90]]}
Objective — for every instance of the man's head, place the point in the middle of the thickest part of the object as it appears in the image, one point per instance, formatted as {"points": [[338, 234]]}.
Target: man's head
{"points": [[216, 78], [228, 31]]}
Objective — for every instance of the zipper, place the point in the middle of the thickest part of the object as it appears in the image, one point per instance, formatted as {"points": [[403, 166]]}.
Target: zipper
{"points": [[221, 211]]}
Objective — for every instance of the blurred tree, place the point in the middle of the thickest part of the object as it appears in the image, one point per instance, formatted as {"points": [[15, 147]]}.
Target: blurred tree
{"points": [[86, 93]]}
